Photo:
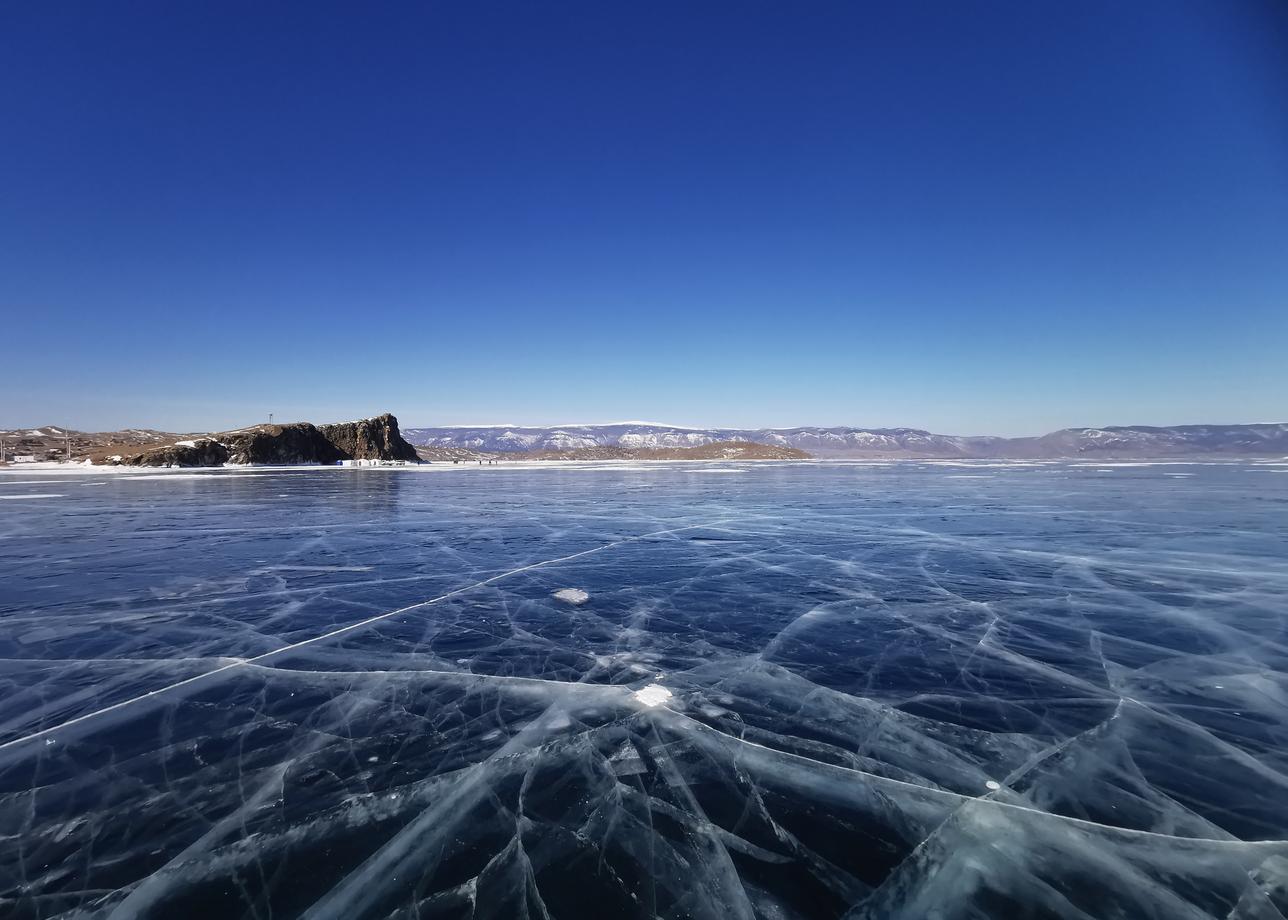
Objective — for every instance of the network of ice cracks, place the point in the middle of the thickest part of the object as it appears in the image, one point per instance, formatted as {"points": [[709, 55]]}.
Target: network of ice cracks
{"points": [[831, 691]]}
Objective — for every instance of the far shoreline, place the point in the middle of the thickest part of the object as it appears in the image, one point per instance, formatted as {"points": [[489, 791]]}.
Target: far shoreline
{"points": [[82, 468]]}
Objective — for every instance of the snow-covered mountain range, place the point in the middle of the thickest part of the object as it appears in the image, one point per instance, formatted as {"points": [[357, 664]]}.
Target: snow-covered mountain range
{"points": [[844, 441]]}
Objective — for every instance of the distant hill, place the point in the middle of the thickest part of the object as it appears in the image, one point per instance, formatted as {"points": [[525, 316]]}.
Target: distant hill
{"points": [[718, 450], [819, 442], [1122, 442], [1142, 441], [51, 441]]}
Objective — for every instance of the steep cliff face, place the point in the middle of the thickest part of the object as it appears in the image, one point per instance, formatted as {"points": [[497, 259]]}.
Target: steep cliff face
{"points": [[369, 439], [300, 442]]}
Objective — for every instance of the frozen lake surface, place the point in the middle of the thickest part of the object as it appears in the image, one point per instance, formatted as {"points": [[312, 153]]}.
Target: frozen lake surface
{"points": [[825, 690]]}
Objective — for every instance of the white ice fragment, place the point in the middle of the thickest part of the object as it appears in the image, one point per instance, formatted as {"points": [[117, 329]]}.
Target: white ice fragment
{"points": [[652, 695], [992, 785], [574, 596], [627, 761]]}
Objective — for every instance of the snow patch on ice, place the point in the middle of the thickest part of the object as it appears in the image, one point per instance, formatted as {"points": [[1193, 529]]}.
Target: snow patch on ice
{"points": [[652, 695], [574, 596]]}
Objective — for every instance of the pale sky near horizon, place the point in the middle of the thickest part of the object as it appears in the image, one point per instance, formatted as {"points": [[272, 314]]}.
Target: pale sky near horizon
{"points": [[991, 218]]}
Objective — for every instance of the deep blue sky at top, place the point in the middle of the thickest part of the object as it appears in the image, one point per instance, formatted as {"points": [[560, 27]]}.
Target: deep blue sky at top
{"points": [[971, 217]]}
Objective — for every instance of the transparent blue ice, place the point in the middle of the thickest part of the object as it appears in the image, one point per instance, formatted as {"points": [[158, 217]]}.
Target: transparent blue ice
{"points": [[907, 690]]}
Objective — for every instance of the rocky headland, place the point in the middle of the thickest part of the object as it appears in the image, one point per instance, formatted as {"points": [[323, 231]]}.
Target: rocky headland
{"points": [[289, 444]]}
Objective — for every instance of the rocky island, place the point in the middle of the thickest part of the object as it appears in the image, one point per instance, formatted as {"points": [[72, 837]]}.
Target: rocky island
{"points": [[293, 443]]}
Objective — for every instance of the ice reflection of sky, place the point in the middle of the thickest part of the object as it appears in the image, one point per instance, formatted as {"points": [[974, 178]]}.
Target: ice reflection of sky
{"points": [[822, 690]]}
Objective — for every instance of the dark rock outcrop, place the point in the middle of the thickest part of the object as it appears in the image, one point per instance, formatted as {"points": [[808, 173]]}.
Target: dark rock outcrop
{"points": [[203, 452], [369, 439], [299, 442]]}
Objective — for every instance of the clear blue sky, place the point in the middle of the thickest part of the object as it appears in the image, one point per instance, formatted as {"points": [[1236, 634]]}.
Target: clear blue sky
{"points": [[970, 217]]}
